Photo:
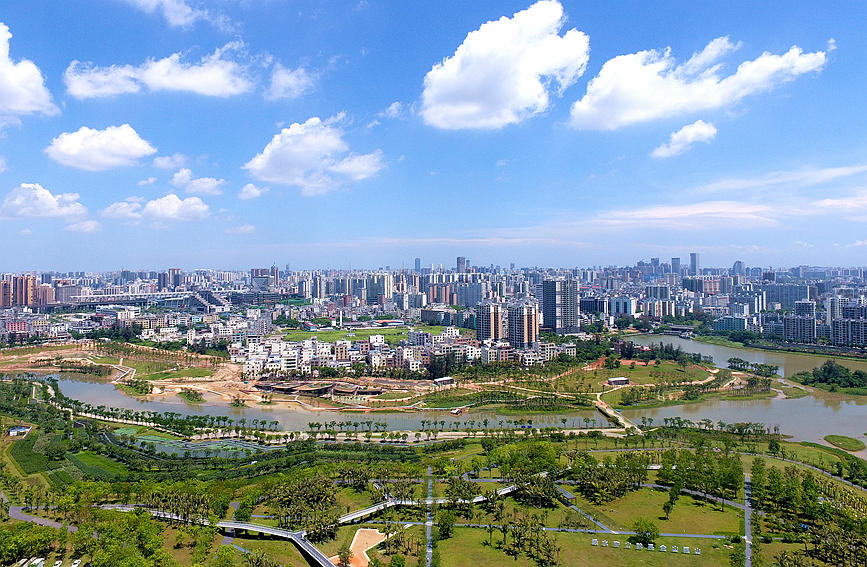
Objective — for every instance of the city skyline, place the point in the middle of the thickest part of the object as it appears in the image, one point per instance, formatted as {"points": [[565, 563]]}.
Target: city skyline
{"points": [[156, 134]]}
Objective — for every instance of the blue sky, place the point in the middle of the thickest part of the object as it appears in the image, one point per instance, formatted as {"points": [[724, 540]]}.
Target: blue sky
{"points": [[233, 133]]}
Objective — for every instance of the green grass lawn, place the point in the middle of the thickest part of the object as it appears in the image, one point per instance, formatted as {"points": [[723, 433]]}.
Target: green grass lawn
{"points": [[101, 461], [348, 500], [690, 515], [845, 443], [279, 549], [391, 334], [468, 548]]}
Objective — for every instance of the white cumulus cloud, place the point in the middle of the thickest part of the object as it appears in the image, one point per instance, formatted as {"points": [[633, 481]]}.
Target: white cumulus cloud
{"points": [[683, 139], [22, 87], [148, 181], [505, 71], [214, 75], [98, 150], [183, 179], [288, 83], [34, 200], [312, 156], [648, 85], [168, 208], [172, 207], [250, 191]]}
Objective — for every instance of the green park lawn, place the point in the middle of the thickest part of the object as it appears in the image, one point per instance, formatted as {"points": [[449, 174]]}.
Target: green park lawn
{"points": [[100, 461], [468, 548], [845, 443], [279, 549], [690, 515]]}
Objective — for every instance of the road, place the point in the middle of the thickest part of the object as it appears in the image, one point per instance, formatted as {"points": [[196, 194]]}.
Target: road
{"points": [[428, 523], [748, 521]]}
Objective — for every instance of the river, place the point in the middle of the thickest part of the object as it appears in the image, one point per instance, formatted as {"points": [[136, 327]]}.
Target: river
{"points": [[805, 419], [295, 418]]}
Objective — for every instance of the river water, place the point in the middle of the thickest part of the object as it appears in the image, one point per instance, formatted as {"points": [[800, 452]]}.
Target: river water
{"points": [[806, 419], [296, 418]]}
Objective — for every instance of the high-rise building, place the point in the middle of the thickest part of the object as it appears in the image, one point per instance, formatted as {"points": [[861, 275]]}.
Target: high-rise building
{"points": [[379, 286], [694, 266], [163, 281], [418, 264], [675, 266], [489, 322], [24, 290], [738, 268], [462, 265], [805, 308], [560, 307], [833, 309], [523, 324], [5, 293]]}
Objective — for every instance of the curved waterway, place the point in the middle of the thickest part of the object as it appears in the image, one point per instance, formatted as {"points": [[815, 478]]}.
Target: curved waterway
{"points": [[805, 419], [295, 418]]}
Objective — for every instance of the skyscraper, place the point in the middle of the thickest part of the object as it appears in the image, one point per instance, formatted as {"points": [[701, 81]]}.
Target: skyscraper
{"points": [[560, 307], [694, 266], [418, 264], [462, 265], [489, 322], [675, 266], [523, 324]]}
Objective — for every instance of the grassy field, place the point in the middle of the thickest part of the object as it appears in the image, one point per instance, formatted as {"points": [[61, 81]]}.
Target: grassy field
{"points": [[468, 548], [845, 443], [279, 549], [100, 461], [690, 515]]}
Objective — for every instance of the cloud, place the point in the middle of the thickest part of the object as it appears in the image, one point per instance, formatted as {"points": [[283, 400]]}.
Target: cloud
{"points": [[183, 179], [288, 83], [683, 139], [394, 110], [168, 208], [308, 156], [241, 229], [173, 161], [215, 75], [25, 232], [172, 207], [33, 200], [125, 210], [83, 226], [250, 191], [179, 14], [793, 178], [3, 165], [648, 85], [98, 150], [504, 72], [22, 87], [148, 181], [693, 215]]}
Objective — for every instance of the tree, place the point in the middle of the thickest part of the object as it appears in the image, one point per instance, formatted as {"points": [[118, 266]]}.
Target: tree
{"points": [[645, 531], [344, 555], [446, 523]]}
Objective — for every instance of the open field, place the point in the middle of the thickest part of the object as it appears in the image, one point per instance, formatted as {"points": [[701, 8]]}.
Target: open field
{"points": [[688, 516], [468, 548]]}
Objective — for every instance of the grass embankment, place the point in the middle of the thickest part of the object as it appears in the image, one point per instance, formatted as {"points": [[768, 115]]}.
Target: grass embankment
{"points": [[845, 443]]}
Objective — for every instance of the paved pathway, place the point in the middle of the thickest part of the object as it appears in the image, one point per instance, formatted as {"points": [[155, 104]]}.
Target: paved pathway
{"points": [[428, 524], [229, 536], [748, 521]]}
